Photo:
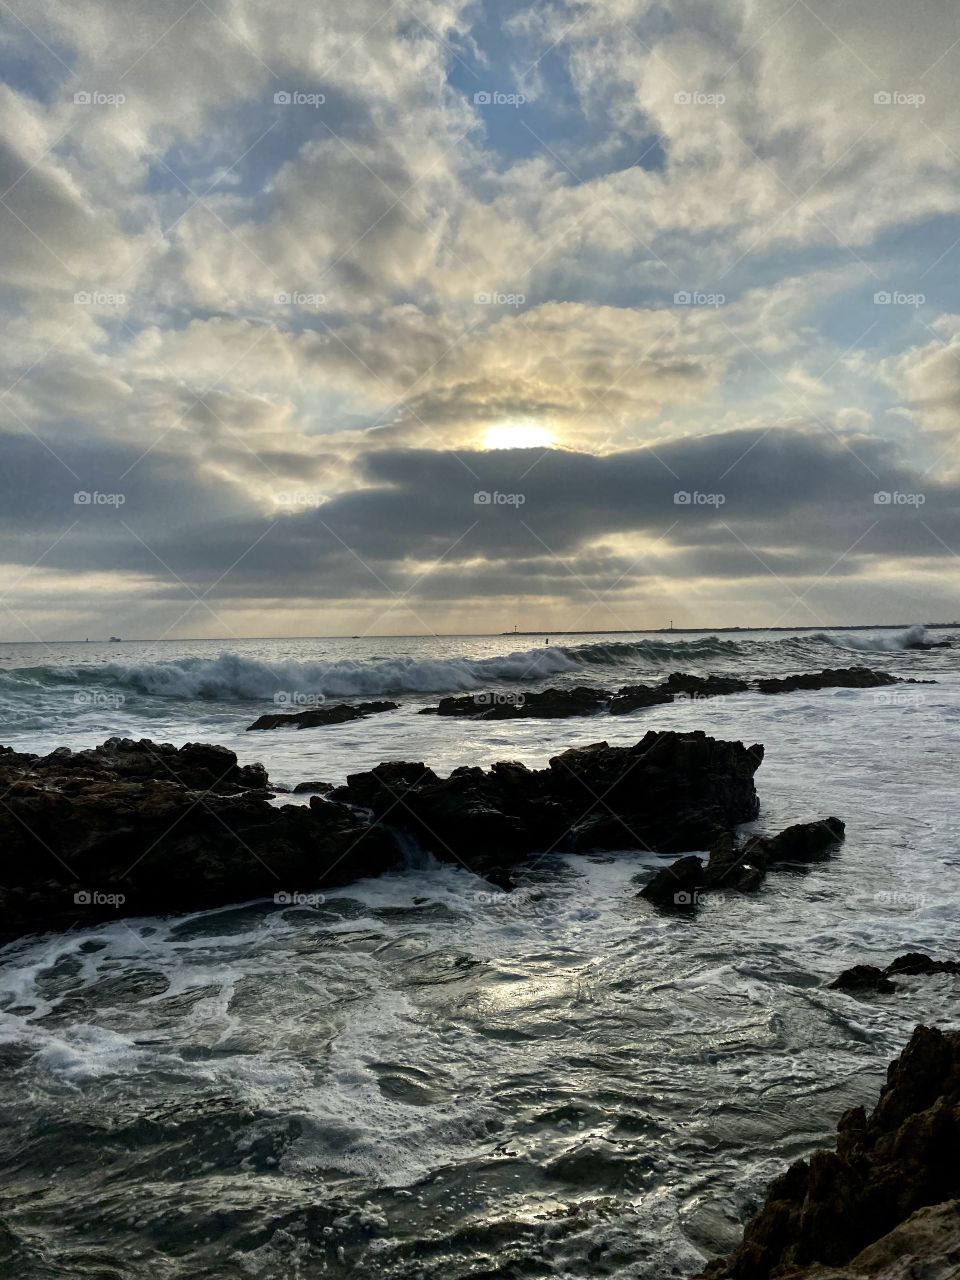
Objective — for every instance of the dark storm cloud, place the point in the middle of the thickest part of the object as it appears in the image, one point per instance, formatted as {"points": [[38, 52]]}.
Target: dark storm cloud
{"points": [[733, 505]]}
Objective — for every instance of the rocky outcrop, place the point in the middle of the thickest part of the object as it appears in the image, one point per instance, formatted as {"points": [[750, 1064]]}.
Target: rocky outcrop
{"points": [[732, 866], [835, 678], [682, 685], [868, 977], [549, 704], [583, 700], [144, 828], [314, 716], [925, 1247], [843, 1209], [671, 791]]}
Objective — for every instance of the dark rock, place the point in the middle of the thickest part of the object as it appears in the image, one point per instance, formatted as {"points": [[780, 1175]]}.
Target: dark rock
{"points": [[671, 791], [863, 977], [676, 885], [867, 977], [634, 697], [916, 963], [832, 678], [678, 682], [144, 828], [310, 719], [549, 704], [900, 1159], [303, 788], [743, 867]]}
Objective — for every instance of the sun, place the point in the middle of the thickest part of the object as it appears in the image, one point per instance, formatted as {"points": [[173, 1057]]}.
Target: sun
{"points": [[518, 435]]}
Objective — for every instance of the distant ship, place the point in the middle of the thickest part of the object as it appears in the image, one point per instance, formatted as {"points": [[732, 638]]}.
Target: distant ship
{"points": [[115, 640]]}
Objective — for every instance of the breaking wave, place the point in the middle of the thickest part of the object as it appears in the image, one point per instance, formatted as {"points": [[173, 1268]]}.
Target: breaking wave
{"points": [[232, 676]]}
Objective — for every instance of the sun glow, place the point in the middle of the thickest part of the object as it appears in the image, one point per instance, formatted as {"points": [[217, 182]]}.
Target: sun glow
{"points": [[518, 435]]}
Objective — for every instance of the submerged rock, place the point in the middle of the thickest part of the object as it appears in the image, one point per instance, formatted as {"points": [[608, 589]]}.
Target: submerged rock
{"points": [[863, 977], [740, 867], [844, 1208], [867, 977], [315, 716]]}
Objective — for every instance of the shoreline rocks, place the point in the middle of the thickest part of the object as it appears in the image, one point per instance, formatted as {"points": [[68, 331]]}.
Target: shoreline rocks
{"points": [[685, 883], [835, 678], [140, 828], [886, 1193], [583, 700], [314, 716], [671, 791]]}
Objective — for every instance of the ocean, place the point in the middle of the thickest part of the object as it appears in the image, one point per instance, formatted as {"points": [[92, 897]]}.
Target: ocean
{"points": [[423, 1079]]}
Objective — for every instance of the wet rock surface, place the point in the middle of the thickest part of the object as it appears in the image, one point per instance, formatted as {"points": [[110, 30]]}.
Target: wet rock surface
{"points": [[857, 1210], [316, 716], [868, 977], [549, 704], [732, 866], [835, 678], [145, 828], [670, 791]]}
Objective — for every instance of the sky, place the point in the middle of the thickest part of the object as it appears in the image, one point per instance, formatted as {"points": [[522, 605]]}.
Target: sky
{"points": [[428, 316]]}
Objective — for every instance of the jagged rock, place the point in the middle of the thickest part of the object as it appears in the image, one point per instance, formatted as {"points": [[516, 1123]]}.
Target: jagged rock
{"points": [[915, 962], [634, 697], [145, 828], [743, 867], [834, 678], [315, 716], [925, 1247], [549, 704], [863, 977], [840, 1205], [670, 791], [305, 788], [681, 684], [867, 977]]}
